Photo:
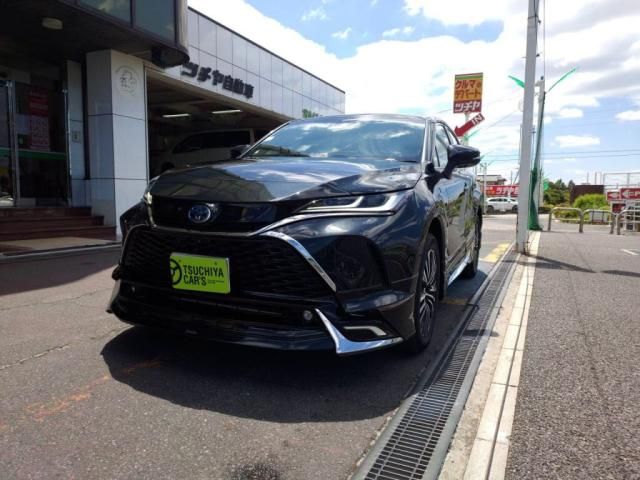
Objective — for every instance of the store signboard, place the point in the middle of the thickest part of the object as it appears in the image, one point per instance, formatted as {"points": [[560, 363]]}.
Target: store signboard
{"points": [[501, 190], [467, 93], [630, 193], [208, 74], [613, 196]]}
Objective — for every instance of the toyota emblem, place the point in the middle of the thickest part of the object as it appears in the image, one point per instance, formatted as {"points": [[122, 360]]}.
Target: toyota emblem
{"points": [[202, 213]]}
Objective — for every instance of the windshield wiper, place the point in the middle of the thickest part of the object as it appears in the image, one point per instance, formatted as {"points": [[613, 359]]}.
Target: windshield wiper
{"points": [[281, 151]]}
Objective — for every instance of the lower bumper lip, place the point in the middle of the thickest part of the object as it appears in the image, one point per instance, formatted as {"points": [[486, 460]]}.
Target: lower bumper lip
{"points": [[344, 346]]}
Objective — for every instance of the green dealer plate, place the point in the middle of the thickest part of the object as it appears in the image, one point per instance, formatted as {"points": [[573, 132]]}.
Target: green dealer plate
{"points": [[200, 274]]}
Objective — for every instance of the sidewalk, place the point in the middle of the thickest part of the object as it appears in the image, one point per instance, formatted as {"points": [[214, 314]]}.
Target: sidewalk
{"points": [[577, 407]]}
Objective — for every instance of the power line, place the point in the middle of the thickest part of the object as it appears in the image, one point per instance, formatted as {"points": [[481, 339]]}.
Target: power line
{"points": [[626, 150], [515, 159]]}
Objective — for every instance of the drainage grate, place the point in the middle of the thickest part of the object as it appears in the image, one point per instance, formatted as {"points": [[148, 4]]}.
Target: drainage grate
{"points": [[416, 441]]}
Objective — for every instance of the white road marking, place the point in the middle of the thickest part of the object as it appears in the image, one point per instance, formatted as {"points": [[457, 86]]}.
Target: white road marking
{"points": [[633, 252]]}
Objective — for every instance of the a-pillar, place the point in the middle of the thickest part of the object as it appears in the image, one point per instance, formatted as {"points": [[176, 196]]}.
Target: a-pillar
{"points": [[117, 118]]}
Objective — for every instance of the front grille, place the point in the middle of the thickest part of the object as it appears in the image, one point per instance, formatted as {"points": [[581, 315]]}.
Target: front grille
{"points": [[259, 265], [231, 217]]}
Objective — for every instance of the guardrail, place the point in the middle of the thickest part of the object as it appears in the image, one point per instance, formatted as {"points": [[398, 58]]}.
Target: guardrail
{"points": [[567, 209], [613, 218], [623, 217]]}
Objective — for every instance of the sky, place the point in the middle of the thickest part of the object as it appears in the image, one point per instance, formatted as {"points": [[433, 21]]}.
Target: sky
{"points": [[400, 56]]}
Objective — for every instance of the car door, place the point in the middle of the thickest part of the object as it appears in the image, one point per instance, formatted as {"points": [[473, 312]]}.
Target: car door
{"points": [[468, 177], [456, 199]]}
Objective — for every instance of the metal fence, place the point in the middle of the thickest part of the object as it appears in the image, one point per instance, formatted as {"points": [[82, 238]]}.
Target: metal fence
{"points": [[631, 219], [614, 219]]}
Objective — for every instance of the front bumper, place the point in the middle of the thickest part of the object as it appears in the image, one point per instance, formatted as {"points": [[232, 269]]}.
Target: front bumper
{"points": [[259, 323], [282, 295]]}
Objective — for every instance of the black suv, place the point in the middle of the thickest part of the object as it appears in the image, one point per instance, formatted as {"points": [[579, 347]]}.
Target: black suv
{"points": [[337, 232]]}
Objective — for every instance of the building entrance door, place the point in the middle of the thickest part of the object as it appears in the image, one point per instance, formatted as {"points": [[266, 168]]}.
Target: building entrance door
{"points": [[7, 157], [34, 168]]}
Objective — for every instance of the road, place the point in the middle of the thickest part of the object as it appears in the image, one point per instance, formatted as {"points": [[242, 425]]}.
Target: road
{"points": [[85, 396]]}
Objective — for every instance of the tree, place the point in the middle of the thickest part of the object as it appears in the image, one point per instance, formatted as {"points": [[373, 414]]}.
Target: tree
{"points": [[557, 193]]}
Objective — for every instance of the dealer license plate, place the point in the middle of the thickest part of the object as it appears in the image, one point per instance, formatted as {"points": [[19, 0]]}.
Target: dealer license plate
{"points": [[200, 274]]}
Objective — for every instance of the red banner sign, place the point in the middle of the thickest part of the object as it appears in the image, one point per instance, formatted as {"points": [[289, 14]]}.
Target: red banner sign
{"points": [[501, 190], [630, 193], [460, 131], [613, 196]]}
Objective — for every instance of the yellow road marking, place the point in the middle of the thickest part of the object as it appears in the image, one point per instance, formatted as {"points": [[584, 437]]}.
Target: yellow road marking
{"points": [[454, 301], [496, 253]]}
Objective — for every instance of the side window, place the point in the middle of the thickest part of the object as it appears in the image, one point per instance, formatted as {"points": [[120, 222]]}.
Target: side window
{"points": [[226, 139], [452, 137], [189, 144], [240, 137], [441, 141]]}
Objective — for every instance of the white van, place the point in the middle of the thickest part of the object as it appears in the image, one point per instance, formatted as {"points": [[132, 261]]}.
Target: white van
{"points": [[203, 147]]}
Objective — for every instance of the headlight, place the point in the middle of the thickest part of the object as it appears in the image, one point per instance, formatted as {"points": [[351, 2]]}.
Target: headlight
{"points": [[136, 215], [146, 196], [379, 203]]}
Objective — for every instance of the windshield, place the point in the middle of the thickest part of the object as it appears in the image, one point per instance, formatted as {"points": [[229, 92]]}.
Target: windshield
{"points": [[352, 137]]}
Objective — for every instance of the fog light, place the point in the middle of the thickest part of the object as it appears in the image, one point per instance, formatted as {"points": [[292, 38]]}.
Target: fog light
{"points": [[307, 315]]}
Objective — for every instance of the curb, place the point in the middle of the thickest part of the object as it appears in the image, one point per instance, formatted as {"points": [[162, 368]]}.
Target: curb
{"points": [[58, 253]]}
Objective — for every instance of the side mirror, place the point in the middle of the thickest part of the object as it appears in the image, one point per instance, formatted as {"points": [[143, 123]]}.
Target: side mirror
{"points": [[235, 152], [460, 156]]}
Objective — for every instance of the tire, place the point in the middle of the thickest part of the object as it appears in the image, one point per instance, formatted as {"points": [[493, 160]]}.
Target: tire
{"points": [[426, 297], [490, 209], [471, 269]]}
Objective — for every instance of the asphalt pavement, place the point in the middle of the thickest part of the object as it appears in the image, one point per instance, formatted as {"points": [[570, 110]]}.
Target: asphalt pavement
{"points": [[577, 408], [85, 396]]}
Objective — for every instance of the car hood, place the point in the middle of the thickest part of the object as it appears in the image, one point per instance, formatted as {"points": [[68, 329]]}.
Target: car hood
{"points": [[286, 178]]}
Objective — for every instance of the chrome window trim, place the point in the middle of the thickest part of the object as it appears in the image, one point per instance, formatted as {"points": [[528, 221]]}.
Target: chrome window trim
{"points": [[344, 346]]}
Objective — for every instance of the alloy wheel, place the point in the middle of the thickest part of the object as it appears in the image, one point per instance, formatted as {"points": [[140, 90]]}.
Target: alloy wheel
{"points": [[428, 293]]}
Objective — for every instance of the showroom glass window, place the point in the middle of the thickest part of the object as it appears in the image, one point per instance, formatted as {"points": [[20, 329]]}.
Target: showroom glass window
{"points": [[157, 17], [120, 9]]}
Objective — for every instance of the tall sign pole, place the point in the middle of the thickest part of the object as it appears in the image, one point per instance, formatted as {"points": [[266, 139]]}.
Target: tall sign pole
{"points": [[524, 197]]}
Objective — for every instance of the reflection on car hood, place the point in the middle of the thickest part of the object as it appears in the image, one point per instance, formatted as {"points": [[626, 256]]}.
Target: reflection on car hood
{"points": [[286, 178]]}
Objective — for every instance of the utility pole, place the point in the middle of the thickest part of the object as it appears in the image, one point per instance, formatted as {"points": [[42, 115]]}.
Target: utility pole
{"points": [[484, 190], [524, 195]]}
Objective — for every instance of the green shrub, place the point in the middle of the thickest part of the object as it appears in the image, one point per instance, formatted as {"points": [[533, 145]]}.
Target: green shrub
{"points": [[596, 201], [566, 213]]}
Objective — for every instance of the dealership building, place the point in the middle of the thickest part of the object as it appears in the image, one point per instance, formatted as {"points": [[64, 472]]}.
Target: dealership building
{"points": [[97, 96]]}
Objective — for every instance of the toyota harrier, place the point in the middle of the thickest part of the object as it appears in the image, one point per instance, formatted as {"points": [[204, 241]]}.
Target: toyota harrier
{"points": [[337, 232]]}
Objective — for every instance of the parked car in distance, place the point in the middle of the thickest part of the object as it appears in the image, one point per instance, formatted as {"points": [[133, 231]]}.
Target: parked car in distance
{"points": [[338, 232], [501, 204], [203, 147]]}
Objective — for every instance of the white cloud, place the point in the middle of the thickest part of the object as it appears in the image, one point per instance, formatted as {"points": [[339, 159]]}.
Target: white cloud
{"points": [[570, 113], [408, 30], [374, 3], [460, 12], [426, 86], [342, 35], [629, 116], [315, 14], [566, 141]]}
